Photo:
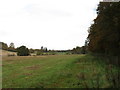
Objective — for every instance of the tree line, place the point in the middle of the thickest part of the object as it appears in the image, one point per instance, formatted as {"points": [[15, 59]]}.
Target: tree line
{"points": [[21, 51], [104, 33], [4, 46], [104, 39], [24, 51]]}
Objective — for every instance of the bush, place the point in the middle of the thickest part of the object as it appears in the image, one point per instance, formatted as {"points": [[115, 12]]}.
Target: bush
{"points": [[23, 51], [39, 53]]}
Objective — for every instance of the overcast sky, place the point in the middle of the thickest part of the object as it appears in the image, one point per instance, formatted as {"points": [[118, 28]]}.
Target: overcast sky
{"points": [[55, 24]]}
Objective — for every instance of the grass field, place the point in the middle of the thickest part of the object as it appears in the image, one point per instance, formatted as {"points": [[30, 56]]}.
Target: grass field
{"points": [[63, 71]]}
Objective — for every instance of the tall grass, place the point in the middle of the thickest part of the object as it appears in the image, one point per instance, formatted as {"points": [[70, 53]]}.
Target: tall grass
{"points": [[112, 68]]}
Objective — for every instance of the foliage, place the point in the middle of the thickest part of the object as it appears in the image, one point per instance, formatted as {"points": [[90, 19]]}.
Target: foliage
{"points": [[23, 51], [3, 46], [76, 50], [79, 50], [11, 47], [39, 52], [104, 34]]}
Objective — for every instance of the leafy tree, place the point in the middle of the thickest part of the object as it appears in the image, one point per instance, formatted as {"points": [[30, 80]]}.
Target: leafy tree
{"points": [[83, 50], [104, 34], [41, 47], [11, 47], [23, 51], [76, 50], [45, 49], [3, 46]]}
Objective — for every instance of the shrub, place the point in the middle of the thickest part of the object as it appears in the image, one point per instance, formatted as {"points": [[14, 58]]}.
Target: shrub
{"points": [[23, 51]]}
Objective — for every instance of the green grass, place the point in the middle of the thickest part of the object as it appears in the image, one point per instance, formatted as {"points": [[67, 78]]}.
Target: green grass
{"points": [[63, 71]]}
